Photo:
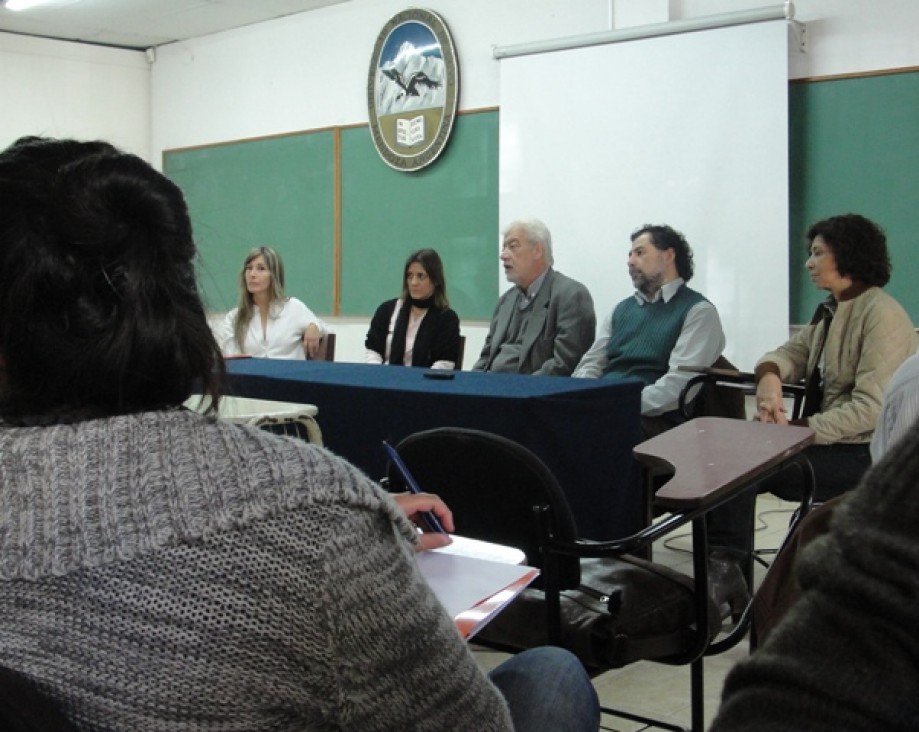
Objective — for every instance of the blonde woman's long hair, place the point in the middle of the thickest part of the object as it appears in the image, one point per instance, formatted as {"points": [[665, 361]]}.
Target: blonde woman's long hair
{"points": [[246, 308]]}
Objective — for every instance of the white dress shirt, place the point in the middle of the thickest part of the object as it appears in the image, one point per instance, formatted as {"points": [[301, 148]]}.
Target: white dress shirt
{"points": [[282, 336]]}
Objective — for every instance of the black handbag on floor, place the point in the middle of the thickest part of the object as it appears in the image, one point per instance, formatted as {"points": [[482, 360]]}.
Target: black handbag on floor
{"points": [[625, 609]]}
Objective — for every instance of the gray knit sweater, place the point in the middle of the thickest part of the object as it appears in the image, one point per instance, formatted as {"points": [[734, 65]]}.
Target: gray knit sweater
{"points": [[165, 571], [846, 656]]}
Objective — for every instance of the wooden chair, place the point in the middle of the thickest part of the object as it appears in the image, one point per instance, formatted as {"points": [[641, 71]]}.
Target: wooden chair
{"points": [[608, 608], [326, 348], [458, 366]]}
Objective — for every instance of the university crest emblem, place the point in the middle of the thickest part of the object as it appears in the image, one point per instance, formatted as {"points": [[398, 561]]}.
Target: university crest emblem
{"points": [[412, 89]]}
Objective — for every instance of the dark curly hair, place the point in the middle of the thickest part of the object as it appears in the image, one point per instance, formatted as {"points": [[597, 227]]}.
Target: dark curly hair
{"points": [[859, 246], [101, 311], [665, 237]]}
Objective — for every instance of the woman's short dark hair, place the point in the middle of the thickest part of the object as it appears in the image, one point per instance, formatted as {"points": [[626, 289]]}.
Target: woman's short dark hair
{"points": [[430, 260], [665, 237], [100, 307], [859, 246]]}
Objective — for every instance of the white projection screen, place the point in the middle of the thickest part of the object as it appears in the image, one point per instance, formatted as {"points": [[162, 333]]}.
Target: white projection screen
{"points": [[689, 130]]}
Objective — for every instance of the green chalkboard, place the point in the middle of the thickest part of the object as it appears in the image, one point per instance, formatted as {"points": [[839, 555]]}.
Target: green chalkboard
{"points": [[281, 191], [854, 146], [451, 206], [276, 192]]}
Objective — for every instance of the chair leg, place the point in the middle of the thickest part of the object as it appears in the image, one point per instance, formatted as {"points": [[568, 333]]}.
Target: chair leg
{"points": [[697, 694], [697, 705], [807, 503]]}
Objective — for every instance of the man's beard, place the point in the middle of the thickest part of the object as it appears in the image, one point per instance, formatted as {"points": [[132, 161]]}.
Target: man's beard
{"points": [[648, 284]]}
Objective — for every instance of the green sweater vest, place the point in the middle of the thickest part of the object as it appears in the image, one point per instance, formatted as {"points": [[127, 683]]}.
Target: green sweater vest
{"points": [[643, 335]]}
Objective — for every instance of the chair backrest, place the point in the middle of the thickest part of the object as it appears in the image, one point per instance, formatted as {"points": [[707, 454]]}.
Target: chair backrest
{"points": [[718, 400], [459, 356], [300, 424], [326, 348], [281, 418], [492, 486]]}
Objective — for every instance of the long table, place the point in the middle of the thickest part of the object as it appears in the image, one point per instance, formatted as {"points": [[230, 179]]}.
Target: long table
{"points": [[583, 429]]}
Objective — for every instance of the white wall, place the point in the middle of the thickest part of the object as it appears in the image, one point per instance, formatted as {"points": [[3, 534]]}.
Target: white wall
{"points": [[309, 70], [60, 89]]}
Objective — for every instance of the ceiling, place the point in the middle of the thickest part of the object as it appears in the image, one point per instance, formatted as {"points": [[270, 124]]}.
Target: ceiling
{"points": [[144, 23]]}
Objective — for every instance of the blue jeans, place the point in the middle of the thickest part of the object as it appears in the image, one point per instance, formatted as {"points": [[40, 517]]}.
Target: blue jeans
{"points": [[547, 690]]}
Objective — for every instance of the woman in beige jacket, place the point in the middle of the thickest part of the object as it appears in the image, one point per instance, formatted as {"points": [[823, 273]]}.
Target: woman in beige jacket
{"points": [[856, 340], [847, 354]]}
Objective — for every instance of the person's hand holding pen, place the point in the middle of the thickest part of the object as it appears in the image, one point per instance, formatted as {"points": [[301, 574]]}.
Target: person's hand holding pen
{"points": [[414, 505], [423, 509]]}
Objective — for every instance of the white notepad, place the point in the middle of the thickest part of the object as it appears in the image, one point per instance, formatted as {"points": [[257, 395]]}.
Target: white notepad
{"points": [[473, 590]]}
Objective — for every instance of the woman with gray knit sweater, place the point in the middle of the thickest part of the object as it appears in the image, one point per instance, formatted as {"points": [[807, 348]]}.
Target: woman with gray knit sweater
{"points": [[165, 570]]}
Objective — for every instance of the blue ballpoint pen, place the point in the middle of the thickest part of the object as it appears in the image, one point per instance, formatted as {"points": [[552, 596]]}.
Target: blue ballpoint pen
{"points": [[429, 517]]}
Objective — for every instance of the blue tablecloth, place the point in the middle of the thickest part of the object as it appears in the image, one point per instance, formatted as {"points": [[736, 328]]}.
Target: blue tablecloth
{"points": [[583, 429]]}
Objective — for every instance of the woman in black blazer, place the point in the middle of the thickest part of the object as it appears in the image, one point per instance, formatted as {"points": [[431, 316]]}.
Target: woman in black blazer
{"points": [[418, 328]]}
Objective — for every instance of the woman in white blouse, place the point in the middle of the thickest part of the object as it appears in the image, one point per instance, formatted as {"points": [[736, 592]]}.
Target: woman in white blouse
{"points": [[418, 328], [266, 323]]}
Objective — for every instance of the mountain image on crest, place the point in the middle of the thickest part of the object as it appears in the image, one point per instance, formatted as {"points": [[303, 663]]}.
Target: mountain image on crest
{"points": [[413, 80]]}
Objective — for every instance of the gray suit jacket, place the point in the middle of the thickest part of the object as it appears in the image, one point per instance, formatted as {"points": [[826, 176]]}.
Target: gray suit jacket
{"points": [[561, 330]]}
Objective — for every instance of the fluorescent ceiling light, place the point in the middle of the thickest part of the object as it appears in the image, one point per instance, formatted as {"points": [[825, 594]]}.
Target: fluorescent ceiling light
{"points": [[26, 4]]}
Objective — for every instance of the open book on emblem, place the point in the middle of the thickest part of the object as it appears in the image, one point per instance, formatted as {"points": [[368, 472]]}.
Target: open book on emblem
{"points": [[472, 589], [410, 131]]}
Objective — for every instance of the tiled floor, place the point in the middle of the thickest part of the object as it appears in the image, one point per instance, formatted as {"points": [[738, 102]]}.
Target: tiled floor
{"points": [[662, 691]]}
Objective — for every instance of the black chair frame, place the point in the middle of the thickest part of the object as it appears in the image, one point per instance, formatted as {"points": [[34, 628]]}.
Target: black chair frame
{"points": [[548, 538], [732, 379], [722, 375]]}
